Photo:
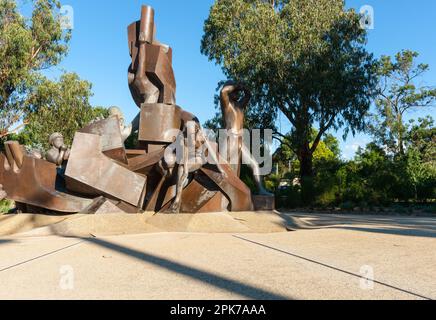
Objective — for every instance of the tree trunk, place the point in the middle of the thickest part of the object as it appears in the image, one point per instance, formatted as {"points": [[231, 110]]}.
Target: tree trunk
{"points": [[306, 174], [400, 134]]}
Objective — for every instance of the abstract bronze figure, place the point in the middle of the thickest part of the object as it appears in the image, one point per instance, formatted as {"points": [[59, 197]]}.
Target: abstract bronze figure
{"points": [[38, 184], [190, 142], [233, 107], [173, 169], [151, 76], [59, 152]]}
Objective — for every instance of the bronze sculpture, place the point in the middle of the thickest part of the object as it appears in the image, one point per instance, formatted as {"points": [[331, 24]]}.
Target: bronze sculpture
{"points": [[59, 152], [173, 169], [151, 76], [126, 130], [233, 107]]}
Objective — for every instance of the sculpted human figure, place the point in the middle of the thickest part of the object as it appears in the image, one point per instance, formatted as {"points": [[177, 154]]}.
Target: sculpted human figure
{"points": [[125, 130], [233, 108], [59, 152], [190, 144], [235, 98]]}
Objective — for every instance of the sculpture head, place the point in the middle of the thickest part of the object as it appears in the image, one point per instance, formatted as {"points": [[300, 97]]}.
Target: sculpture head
{"points": [[56, 140], [115, 111], [235, 95]]}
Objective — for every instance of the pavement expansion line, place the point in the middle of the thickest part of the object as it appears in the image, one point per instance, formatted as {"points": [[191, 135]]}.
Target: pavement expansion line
{"points": [[333, 268], [41, 256]]}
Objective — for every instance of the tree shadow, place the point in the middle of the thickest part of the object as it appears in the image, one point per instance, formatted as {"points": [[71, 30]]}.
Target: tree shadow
{"points": [[392, 225], [208, 278], [397, 231], [6, 241]]}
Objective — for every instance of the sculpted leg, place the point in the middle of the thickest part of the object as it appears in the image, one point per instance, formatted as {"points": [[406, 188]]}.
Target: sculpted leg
{"points": [[252, 163], [182, 177]]}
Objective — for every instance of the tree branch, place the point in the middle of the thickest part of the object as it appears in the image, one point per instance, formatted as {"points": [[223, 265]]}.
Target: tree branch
{"points": [[322, 131]]}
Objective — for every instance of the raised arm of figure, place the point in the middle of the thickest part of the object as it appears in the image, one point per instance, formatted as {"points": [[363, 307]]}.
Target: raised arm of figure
{"points": [[227, 90]]}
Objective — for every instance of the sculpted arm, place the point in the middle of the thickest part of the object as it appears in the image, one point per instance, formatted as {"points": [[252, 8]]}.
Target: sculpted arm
{"points": [[225, 97]]}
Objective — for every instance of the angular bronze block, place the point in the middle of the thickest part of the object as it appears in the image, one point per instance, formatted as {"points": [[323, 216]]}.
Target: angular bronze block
{"points": [[151, 75], [89, 167], [160, 123], [38, 184], [101, 205], [111, 140], [235, 190]]}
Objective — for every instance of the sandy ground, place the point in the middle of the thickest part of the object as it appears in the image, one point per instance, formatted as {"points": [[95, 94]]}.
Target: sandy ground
{"points": [[329, 257]]}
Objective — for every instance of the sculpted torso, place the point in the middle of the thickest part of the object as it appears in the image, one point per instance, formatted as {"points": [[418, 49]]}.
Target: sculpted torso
{"points": [[233, 108], [234, 100]]}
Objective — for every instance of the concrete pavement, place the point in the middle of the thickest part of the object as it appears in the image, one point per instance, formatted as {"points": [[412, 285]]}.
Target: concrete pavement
{"points": [[330, 257]]}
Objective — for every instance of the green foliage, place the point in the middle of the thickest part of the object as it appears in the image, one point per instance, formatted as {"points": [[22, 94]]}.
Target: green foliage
{"points": [[398, 93], [378, 179], [373, 178], [247, 178], [214, 124], [323, 187], [132, 141], [305, 58], [59, 106], [422, 138], [289, 198], [27, 47], [5, 206]]}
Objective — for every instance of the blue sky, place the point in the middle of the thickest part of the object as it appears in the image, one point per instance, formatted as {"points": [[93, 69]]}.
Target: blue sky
{"points": [[99, 52]]}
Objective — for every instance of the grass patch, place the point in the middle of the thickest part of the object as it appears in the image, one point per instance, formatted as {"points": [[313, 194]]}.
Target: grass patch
{"points": [[5, 206]]}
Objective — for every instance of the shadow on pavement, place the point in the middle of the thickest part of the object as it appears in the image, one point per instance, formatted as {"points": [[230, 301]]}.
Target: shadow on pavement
{"points": [[208, 278], [6, 241], [402, 226], [424, 233]]}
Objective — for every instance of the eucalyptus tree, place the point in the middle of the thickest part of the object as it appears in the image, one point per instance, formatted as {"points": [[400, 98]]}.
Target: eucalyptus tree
{"points": [[303, 58]]}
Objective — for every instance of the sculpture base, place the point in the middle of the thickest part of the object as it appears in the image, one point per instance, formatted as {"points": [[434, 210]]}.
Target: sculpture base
{"points": [[79, 225], [264, 203]]}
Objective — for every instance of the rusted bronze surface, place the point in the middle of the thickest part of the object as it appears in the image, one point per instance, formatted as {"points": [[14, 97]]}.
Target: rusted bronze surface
{"points": [[151, 75], [88, 166], [144, 163], [201, 192], [235, 190], [37, 183], [112, 144], [160, 123], [15, 154], [102, 205]]}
